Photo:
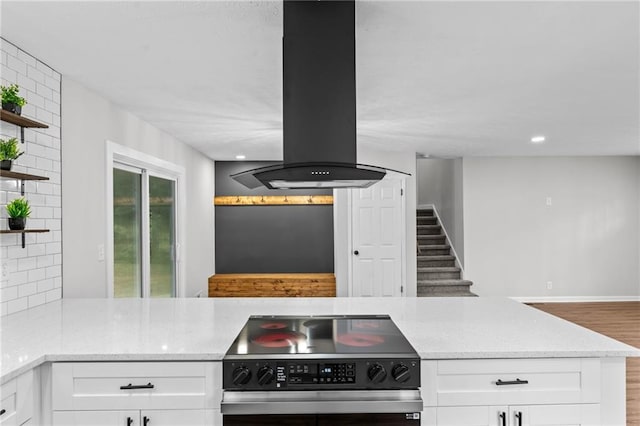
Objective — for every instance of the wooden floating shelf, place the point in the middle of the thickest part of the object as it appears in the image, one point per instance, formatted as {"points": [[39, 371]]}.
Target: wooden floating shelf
{"points": [[273, 200], [21, 176], [21, 121], [23, 231], [7, 174]]}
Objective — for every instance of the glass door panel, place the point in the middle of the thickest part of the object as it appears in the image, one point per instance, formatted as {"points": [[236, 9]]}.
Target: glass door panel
{"points": [[162, 207], [127, 233]]}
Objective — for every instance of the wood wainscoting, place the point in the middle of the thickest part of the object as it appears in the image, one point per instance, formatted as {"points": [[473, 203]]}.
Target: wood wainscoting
{"points": [[272, 285]]}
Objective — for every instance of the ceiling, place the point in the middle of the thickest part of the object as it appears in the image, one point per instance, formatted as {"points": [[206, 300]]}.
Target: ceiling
{"points": [[445, 79]]}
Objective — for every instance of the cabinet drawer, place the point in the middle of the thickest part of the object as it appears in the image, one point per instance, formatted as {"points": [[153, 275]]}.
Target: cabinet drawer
{"points": [[502, 382], [135, 385]]}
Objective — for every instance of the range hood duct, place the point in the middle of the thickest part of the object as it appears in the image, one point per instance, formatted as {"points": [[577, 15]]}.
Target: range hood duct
{"points": [[319, 98]]}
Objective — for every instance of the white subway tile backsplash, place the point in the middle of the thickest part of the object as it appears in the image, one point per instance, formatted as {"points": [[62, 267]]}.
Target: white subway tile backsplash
{"points": [[20, 67], [27, 289], [17, 278], [27, 59], [26, 264], [17, 305], [54, 271], [46, 285], [54, 248], [44, 261], [54, 294], [36, 250], [35, 74], [9, 293], [37, 299], [25, 84], [31, 276], [37, 275]]}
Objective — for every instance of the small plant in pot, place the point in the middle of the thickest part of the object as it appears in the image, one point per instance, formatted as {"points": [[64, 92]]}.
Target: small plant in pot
{"points": [[9, 151], [11, 101], [18, 211]]}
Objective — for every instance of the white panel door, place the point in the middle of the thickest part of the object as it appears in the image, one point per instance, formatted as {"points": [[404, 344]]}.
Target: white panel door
{"points": [[377, 236]]}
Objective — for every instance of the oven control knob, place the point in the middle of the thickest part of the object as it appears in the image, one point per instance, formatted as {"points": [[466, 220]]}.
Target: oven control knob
{"points": [[377, 373], [241, 376], [401, 373], [265, 375]]}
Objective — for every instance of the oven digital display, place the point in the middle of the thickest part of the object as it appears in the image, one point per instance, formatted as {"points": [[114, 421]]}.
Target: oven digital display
{"points": [[311, 373]]}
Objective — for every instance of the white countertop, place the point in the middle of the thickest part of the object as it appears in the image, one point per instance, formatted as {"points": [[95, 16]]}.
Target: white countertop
{"points": [[203, 329]]}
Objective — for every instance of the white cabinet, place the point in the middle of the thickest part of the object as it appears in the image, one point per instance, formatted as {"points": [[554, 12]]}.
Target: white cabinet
{"points": [[534, 415], [17, 400], [135, 418], [136, 393], [512, 392]]}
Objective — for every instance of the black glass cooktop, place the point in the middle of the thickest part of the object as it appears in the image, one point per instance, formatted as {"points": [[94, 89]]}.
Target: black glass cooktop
{"points": [[320, 335]]}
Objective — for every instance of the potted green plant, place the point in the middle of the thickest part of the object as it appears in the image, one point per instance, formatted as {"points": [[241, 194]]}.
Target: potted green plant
{"points": [[8, 152], [18, 211], [11, 101]]}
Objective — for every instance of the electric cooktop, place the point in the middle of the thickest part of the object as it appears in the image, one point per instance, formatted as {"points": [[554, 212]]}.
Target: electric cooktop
{"points": [[311, 352]]}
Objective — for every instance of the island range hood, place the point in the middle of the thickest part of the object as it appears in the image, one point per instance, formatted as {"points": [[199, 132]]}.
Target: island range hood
{"points": [[319, 99]]}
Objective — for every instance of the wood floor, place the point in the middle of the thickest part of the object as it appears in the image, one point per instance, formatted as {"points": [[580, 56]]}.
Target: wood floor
{"points": [[619, 320]]}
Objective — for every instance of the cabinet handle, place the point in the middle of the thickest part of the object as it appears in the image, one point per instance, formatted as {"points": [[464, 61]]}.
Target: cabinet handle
{"points": [[511, 382], [130, 386], [503, 418], [2, 411], [129, 421], [145, 421], [519, 418]]}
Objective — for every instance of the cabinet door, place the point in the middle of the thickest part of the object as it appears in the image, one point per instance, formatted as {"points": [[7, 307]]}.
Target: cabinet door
{"points": [[472, 416], [177, 417], [555, 415], [96, 418]]}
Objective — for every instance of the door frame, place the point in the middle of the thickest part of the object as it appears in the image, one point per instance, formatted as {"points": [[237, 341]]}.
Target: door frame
{"points": [[116, 153], [403, 234]]}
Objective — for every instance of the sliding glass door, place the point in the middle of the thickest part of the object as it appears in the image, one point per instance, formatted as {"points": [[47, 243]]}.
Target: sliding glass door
{"points": [[144, 233]]}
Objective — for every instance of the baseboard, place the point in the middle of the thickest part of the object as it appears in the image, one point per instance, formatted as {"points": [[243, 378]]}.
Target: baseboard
{"points": [[576, 299]]}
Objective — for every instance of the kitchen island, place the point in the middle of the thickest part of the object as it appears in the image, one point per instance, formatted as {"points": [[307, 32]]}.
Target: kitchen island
{"points": [[471, 330]]}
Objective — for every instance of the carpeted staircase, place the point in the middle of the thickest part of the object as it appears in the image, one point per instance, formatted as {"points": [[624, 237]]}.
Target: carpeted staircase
{"points": [[438, 274]]}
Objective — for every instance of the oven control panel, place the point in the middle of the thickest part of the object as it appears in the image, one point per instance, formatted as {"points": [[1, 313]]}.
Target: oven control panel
{"points": [[321, 374]]}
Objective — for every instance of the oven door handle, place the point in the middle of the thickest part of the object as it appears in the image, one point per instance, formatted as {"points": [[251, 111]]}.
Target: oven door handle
{"points": [[321, 402]]}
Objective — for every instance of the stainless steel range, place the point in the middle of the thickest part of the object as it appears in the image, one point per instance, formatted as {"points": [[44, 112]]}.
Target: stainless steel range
{"points": [[342, 369]]}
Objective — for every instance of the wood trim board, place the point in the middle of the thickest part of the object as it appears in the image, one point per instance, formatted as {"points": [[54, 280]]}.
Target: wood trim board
{"points": [[273, 200], [272, 285]]}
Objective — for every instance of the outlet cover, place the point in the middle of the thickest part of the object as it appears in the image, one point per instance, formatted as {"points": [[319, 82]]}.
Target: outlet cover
{"points": [[549, 285]]}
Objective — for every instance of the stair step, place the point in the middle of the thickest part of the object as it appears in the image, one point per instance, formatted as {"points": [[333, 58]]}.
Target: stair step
{"points": [[429, 274], [440, 269], [434, 250], [431, 239], [449, 294], [436, 261], [427, 220], [434, 288], [424, 212]]}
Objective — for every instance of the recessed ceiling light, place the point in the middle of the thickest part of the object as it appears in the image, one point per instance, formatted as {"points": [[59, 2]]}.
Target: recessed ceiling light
{"points": [[240, 157], [538, 139]]}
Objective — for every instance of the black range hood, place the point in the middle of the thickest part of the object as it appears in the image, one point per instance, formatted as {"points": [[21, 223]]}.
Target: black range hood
{"points": [[319, 98]]}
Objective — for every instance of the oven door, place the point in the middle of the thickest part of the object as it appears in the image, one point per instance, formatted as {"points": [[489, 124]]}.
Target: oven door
{"points": [[322, 408]]}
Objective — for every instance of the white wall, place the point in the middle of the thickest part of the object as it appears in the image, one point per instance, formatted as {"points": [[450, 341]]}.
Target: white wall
{"points": [[440, 183], [586, 243], [31, 276], [404, 162], [88, 121]]}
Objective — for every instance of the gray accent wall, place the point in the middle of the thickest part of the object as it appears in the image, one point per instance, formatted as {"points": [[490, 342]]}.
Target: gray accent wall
{"points": [[270, 239]]}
